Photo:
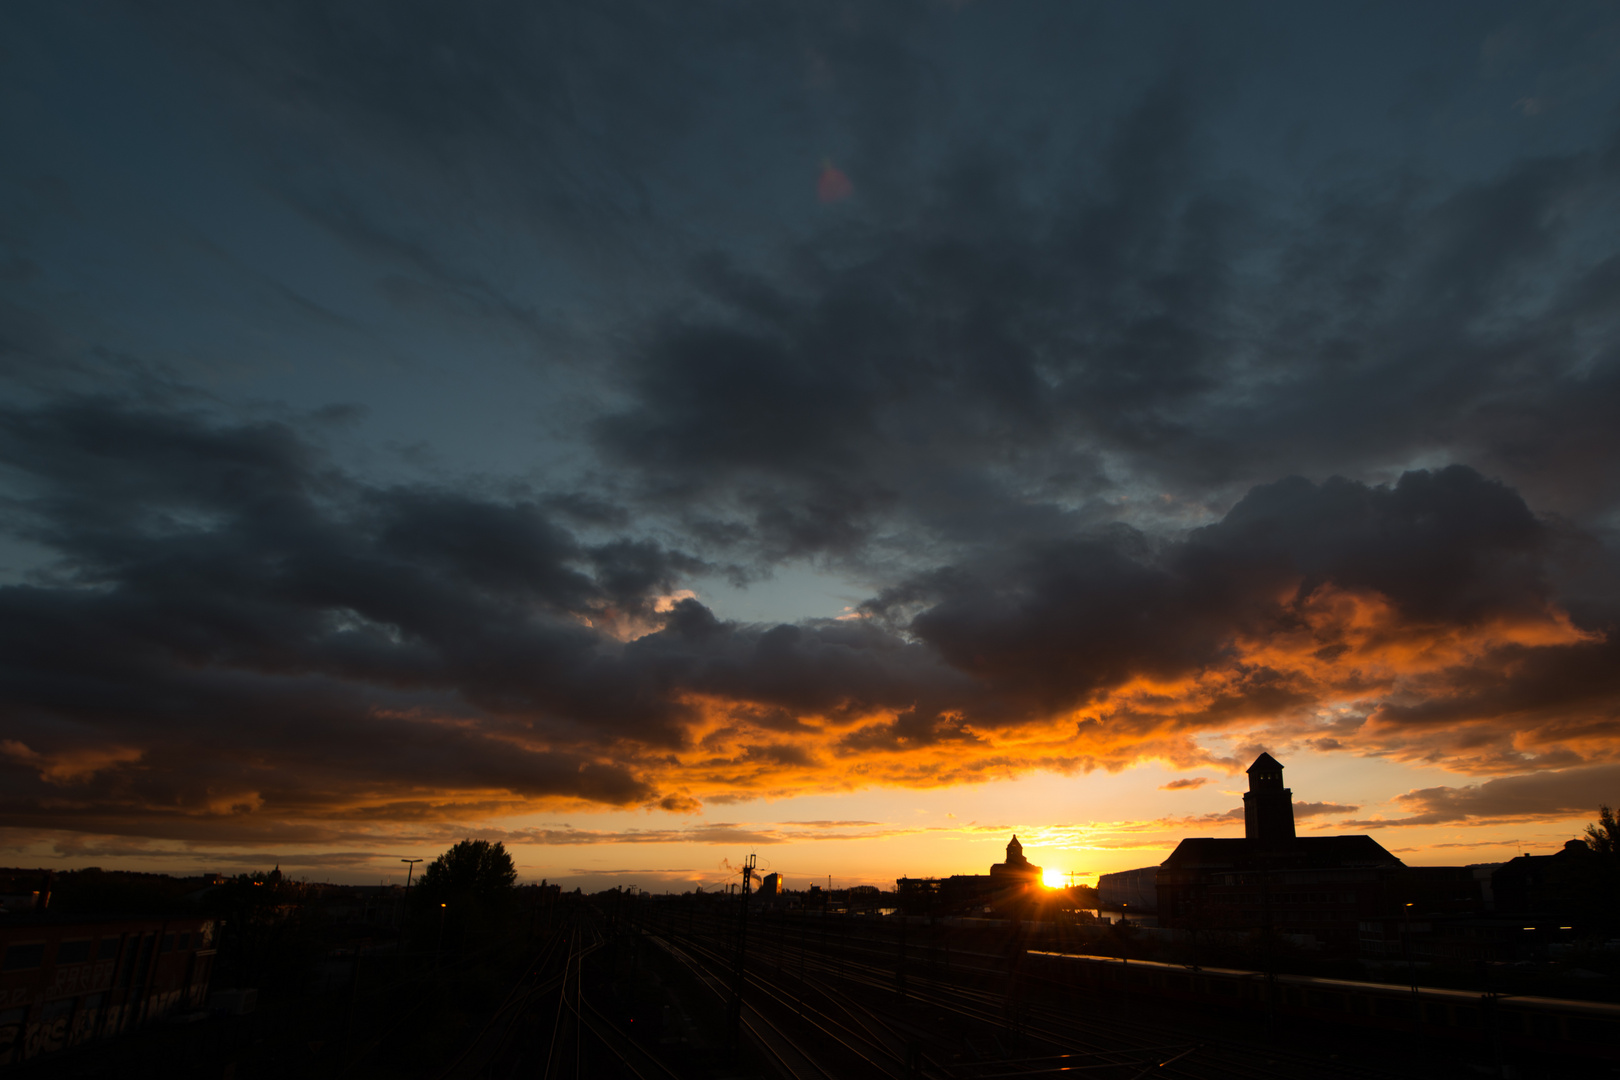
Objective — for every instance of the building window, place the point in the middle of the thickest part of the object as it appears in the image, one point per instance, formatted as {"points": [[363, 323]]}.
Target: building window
{"points": [[23, 957], [73, 952]]}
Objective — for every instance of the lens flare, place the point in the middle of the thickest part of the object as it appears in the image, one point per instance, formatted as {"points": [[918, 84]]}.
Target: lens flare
{"points": [[833, 185]]}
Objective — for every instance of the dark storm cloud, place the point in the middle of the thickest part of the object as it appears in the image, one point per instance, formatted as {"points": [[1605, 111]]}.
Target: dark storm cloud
{"points": [[1542, 796], [958, 367], [222, 593], [236, 632], [1051, 303], [990, 364], [1074, 618], [1067, 314], [237, 637], [1447, 546], [1430, 596]]}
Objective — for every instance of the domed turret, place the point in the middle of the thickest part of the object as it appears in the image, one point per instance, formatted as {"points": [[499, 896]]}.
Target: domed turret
{"points": [[1016, 865]]}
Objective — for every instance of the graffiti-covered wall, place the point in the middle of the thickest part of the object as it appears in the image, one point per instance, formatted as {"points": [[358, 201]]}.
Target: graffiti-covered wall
{"points": [[65, 981]]}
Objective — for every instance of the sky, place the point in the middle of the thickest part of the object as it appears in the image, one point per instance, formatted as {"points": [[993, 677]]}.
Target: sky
{"points": [[647, 434]]}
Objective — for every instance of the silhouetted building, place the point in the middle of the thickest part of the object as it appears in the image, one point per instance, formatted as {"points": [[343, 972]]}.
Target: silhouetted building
{"points": [[917, 896], [1544, 883], [1460, 938], [1444, 913], [862, 898], [1129, 890], [1271, 878], [1007, 884], [967, 894], [770, 885], [1268, 807], [1016, 867]]}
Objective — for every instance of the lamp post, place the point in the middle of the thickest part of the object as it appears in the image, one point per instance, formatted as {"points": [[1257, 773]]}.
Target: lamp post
{"points": [[1411, 963], [410, 868], [439, 950]]}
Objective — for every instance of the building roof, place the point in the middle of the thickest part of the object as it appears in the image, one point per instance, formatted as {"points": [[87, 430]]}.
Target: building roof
{"points": [[1264, 761], [1208, 851], [1530, 864], [1305, 851]]}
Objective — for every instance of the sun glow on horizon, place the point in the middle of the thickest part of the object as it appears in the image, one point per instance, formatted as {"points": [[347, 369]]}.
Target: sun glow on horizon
{"points": [[1052, 878]]}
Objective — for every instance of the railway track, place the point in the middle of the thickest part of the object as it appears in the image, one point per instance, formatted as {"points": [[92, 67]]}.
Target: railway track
{"points": [[1057, 1039], [870, 1034], [765, 1018], [835, 1006]]}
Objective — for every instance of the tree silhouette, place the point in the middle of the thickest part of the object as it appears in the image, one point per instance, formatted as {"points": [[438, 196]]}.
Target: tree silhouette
{"points": [[1603, 836], [1598, 878], [466, 892], [473, 868]]}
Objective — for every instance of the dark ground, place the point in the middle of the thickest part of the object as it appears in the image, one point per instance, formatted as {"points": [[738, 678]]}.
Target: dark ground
{"points": [[642, 989]]}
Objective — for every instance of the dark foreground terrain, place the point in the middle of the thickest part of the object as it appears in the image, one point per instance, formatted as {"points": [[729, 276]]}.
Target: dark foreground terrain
{"points": [[649, 989]]}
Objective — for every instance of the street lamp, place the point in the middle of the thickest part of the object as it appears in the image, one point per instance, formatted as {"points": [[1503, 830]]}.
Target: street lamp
{"points": [[1411, 963], [409, 869], [439, 949]]}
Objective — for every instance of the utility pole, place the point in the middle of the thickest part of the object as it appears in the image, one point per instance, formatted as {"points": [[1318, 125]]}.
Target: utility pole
{"points": [[734, 1017]]}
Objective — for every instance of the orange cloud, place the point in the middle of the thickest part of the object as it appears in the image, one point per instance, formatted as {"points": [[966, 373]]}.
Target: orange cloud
{"points": [[437, 657], [72, 765]]}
